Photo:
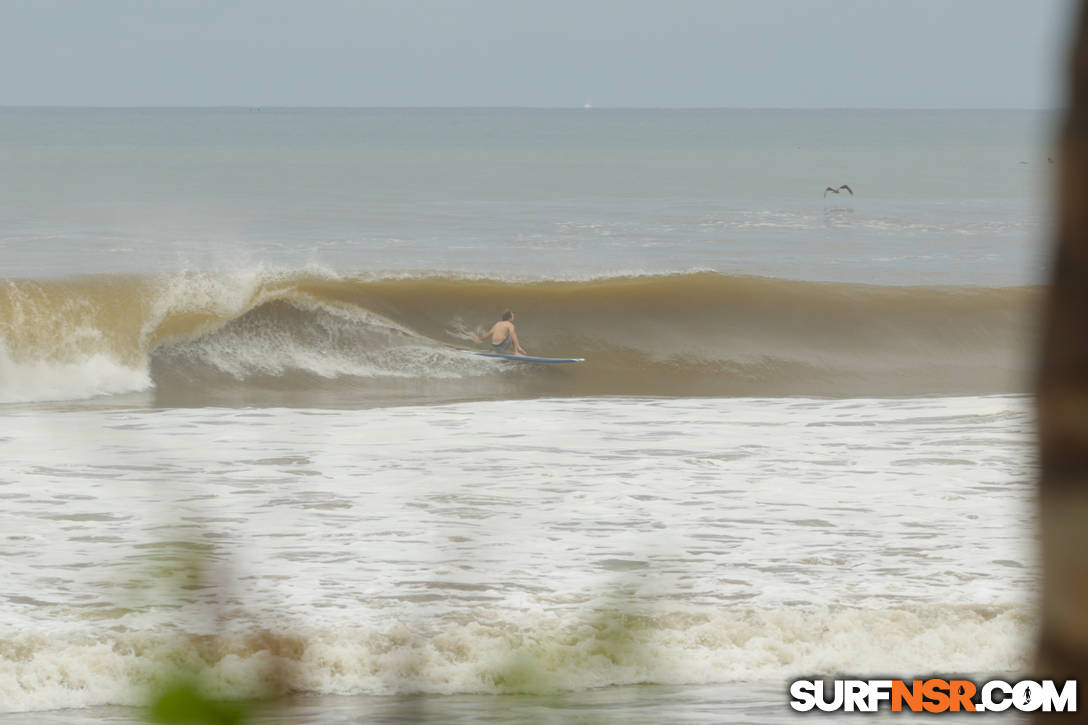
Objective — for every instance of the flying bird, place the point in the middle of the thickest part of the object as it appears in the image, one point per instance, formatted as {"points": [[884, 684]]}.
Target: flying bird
{"points": [[836, 191]]}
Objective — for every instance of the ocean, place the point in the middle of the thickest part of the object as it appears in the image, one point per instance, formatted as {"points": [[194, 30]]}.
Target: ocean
{"points": [[243, 439]]}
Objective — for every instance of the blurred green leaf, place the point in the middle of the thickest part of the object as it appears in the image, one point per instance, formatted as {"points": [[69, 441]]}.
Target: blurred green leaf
{"points": [[180, 703]]}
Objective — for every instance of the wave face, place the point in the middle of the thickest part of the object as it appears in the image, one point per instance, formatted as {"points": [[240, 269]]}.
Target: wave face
{"points": [[315, 338]]}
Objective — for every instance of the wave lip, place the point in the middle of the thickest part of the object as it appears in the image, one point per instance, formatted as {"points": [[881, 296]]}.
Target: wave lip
{"points": [[260, 334]]}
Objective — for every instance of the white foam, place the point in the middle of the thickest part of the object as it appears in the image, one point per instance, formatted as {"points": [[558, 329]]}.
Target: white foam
{"points": [[525, 546], [41, 380], [537, 653], [338, 342]]}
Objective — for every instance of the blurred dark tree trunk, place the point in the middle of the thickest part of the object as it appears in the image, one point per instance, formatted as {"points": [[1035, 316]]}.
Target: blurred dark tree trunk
{"points": [[1062, 400]]}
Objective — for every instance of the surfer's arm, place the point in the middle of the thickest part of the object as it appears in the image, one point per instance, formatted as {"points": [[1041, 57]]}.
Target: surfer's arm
{"points": [[486, 335], [518, 349]]}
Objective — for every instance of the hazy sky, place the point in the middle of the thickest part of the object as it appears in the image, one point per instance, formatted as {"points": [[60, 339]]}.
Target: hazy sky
{"points": [[750, 53]]}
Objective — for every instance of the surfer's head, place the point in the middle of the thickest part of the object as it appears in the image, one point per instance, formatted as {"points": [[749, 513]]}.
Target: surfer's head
{"points": [[507, 315]]}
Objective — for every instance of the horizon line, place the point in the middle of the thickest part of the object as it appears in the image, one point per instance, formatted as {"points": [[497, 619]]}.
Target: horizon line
{"points": [[522, 108]]}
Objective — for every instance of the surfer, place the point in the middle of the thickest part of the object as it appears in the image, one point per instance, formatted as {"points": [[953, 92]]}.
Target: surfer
{"points": [[504, 337]]}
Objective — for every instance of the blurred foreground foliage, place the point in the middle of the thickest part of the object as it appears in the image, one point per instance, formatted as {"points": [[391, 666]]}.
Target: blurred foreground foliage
{"points": [[176, 698], [180, 703]]}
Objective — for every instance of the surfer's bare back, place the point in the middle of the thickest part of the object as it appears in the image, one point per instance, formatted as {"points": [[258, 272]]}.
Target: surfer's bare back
{"points": [[503, 335]]}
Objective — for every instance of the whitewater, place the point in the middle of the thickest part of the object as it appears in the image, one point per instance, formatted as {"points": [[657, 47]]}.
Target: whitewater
{"points": [[243, 438], [520, 547]]}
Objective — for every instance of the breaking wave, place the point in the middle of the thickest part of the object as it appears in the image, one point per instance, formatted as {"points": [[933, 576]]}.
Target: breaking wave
{"points": [[312, 337], [491, 655]]}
